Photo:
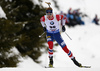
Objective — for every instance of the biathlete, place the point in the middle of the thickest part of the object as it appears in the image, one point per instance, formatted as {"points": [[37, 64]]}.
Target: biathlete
{"points": [[51, 27]]}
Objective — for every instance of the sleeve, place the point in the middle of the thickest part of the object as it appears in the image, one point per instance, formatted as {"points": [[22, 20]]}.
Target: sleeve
{"points": [[61, 17], [42, 20]]}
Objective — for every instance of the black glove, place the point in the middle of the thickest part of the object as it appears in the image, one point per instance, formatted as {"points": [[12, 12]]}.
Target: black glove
{"points": [[63, 29], [44, 29]]}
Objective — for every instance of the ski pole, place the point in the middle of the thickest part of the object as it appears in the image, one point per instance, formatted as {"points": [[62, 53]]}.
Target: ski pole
{"points": [[41, 34], [68, 36]]}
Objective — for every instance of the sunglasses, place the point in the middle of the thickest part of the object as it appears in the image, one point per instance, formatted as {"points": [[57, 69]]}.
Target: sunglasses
{"points": [[48, 13]]}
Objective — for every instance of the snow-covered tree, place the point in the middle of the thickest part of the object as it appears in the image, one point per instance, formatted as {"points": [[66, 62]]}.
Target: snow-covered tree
{"points": [[21, 30]]}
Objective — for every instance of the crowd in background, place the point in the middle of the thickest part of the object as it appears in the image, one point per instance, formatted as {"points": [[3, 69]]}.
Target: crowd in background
{"points": [[74, 17]]}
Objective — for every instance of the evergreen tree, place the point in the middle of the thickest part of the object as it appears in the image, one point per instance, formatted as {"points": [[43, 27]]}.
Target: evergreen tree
{"points": [[21, 30], [8, 40]]}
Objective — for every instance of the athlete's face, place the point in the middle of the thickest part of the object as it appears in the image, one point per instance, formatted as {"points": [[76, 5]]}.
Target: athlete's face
{"points": [[49, 15]]}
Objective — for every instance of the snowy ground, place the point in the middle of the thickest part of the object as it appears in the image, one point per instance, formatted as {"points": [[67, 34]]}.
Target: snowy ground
{"points": [[84, 44]]}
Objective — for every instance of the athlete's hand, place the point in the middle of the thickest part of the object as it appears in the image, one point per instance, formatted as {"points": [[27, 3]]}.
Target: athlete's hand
{"points": [[63, 29], [44, 29]]}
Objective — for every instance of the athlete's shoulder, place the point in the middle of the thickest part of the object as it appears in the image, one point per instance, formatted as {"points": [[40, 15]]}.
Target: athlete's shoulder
{"points": [[42, 19], [59, 17]]}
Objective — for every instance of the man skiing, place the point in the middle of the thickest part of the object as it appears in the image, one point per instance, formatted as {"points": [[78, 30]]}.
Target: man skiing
{"points": [[51, 27]]}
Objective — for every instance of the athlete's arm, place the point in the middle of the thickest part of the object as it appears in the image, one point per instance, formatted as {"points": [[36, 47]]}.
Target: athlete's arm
{"points": [[42, 20], [61, 17]]}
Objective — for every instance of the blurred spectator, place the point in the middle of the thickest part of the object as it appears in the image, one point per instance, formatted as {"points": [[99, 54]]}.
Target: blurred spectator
{"points": [[71, 18], [74, 17], [77, 12], [96, 20], [70, 11]]}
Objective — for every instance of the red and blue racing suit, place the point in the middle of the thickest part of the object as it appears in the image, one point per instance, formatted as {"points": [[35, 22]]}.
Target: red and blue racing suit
{"points": [[52, 27]]}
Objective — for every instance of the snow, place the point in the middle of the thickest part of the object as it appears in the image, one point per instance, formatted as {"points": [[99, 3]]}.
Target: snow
{"points": [[84, 44], [2, 14]]}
